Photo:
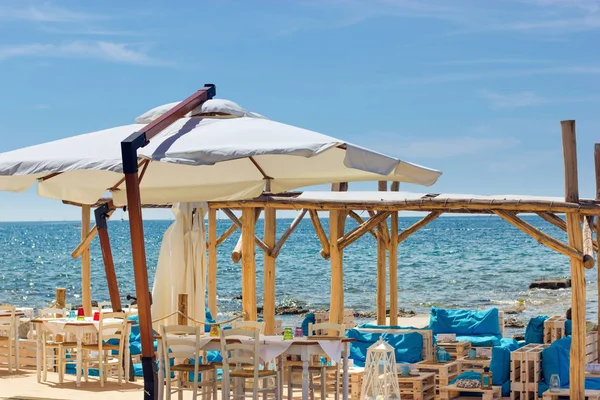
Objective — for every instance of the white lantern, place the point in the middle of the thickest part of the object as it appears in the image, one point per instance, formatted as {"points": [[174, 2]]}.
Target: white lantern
{"points": [[380, 380]]}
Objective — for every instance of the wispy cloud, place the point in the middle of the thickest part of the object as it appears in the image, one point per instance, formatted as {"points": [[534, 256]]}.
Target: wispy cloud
{"points": [[528, 98], [98, 50], [44, 13]]}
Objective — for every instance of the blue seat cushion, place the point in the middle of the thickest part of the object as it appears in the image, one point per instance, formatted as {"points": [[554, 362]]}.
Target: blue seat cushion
{"points": [[481, 340], [408, 346], [534, 333], [373, 326], [464, 322]]}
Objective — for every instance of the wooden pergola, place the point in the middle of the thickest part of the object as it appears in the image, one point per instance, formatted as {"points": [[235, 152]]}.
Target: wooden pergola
{"points": [[383, 208]]}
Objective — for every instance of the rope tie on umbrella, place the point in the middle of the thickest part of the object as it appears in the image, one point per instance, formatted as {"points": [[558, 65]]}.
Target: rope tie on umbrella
{"points": [[237, 316]]}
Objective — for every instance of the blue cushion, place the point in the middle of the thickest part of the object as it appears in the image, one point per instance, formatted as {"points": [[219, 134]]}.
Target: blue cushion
{"points": [[555, 360], [373, 326], [568, 327], [534, 333], [309, 319], [465, 322], [408, 347]]}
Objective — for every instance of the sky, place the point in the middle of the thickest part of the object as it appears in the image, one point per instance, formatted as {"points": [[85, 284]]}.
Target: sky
{"points": [[475, 88]]}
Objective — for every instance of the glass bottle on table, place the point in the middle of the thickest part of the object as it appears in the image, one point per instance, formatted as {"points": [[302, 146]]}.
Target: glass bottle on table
{"points": [[554, 383]]}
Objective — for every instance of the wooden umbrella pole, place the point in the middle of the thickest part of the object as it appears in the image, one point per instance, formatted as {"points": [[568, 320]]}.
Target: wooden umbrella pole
{"points": [[109, 266], [574, 233], [270, 222], [597, 172], [129, 148], [212, 262], [86, 273]]}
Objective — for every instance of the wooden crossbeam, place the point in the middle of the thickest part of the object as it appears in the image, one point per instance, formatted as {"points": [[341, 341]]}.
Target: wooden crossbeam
{"points": [[402, 236], [288, 232], [559, 223], [314, 217], [238, 223], [363, 228], [541, 237], [85, 243], [381, 229], [358, 218], [226, 234]]}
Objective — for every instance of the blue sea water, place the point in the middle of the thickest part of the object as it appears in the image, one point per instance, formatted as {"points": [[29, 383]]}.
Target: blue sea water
{"points": [[470, 262]]}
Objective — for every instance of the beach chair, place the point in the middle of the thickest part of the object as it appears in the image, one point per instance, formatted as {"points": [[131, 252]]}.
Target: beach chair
{"points": [[180, 344], [241, 363], [9, 335], [322, 377], [112, 331], [55, 347]]}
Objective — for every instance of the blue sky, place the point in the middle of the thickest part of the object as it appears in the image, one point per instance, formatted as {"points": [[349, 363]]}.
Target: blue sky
{"points": [[474, 88]]}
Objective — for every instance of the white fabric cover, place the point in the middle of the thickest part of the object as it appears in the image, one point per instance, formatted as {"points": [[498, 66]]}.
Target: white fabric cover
{"points": [[201, 159], [181, 265], [210, 106]]}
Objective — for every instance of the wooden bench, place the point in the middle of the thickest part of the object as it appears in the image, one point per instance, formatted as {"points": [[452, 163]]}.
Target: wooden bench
{"points": [[589, 394], [417, 387], [444, 372], [452, 392]]}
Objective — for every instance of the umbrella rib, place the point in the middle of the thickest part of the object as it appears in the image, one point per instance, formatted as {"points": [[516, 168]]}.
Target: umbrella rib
{"points": [[143, 164], [259, 168]]}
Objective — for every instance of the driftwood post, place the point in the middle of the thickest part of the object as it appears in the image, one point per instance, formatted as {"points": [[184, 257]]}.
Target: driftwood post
{"points": [[574, 233], [394, 269], [597, 165], [381, 267], [336, 258], [270, 222], [248, 264], [212, 262], [182, 307], [86, 281], [61, 298]]}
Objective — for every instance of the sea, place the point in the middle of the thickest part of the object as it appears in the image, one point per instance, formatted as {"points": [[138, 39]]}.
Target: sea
{"points": [[470, 262]]}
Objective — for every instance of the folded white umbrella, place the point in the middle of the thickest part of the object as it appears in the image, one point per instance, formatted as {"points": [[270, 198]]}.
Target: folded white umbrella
{"points": [[225, 153]]}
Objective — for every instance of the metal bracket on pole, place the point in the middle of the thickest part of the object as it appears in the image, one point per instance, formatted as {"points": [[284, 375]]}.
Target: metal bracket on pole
{"points": [[100, 214]]}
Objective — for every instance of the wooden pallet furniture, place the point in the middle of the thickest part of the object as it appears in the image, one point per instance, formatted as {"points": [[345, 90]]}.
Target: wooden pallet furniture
{"points": [[473, 364], [591, 347], [564, 393], [417, 387], [355, 375], [526, 371], [554, 329], [456, 349], [444, 372], [451, 392]]}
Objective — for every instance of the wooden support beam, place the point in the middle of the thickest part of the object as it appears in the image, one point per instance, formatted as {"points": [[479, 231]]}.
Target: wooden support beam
{"points": [[288, 232], [226, 234], [314, 217], [405, 234], [395, 187], [269, 271], [360, 230], [85, 243], [249, 264], [61, 298], [381, 276], [588, 242], [393, 268], [109, 270], [559, 223], [382, 186], [212, 262], [597, 174], [381, 232], [357, 218], [578, 351], [86, 272], [336, 307], [236, 254], [541, 237], [182, 307]]}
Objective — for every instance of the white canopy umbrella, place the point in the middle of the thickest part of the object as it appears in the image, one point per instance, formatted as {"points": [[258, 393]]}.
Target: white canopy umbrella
{"points": [[200, 159], [182, 264]]}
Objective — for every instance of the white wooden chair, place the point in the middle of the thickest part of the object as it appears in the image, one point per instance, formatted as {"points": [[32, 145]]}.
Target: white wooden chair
{"points": [[102, 354], [9, 335], [249, 325], [181, 343], [328, 375], [241, 362], [54, 347]]}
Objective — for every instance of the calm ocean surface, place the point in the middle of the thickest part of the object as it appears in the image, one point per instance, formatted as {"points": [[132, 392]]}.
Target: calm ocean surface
{"points": [[471, 262]]}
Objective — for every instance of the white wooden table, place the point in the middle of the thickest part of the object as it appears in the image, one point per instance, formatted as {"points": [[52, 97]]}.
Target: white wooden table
{"points": [[302, 347], [79, 328]]}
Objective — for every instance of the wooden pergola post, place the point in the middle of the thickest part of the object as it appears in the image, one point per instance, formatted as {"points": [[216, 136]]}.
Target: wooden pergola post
{"points": [[212, 262], [394, 269], [86, 273], [269, 271], [597, 170], [336, 307], [381, 267], [574, 233], [248, 264]]}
